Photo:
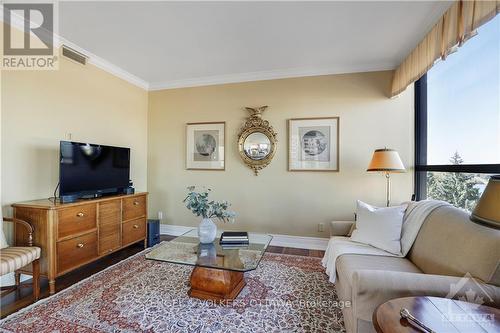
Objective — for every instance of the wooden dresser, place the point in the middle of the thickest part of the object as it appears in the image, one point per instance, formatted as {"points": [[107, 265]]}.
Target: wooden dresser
{"points": [[74, 234]]}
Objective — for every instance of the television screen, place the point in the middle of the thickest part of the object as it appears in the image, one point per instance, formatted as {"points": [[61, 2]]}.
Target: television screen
{"points": [[89, 168]]}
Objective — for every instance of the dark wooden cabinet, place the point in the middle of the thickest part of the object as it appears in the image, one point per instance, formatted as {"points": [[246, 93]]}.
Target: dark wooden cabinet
{"points": [[74, 234]]}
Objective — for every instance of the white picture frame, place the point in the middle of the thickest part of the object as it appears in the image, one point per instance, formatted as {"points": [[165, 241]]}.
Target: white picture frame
{"points": [[205, 146], [313, 144]]}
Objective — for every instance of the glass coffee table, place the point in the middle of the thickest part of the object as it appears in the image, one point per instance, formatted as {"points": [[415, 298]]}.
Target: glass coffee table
{"points": [[218, 273]]}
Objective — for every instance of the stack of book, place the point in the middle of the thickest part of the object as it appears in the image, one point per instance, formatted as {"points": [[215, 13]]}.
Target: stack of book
{"points": [[230, 239]]}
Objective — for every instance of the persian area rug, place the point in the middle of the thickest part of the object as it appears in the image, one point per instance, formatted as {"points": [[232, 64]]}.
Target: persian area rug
{"points": [[285, 294]]}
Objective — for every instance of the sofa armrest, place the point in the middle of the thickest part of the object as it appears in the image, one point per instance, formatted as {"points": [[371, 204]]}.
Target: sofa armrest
{"points": [[371, 288], [340, 228]]}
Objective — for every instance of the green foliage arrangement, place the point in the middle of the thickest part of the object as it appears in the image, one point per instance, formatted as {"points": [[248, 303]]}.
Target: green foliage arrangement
{"points": [[198, 203]]}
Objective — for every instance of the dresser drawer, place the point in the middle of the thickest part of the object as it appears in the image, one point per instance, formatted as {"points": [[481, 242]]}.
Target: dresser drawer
{"points": [[134, 207], [77, 219], [110, 215], [133, 231], [76, 251], [110, 212], [109, 238]]}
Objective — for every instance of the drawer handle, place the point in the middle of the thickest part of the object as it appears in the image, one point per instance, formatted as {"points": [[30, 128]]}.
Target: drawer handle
{"points": [[80, 245], [136, 203], [80, 214], [136, 226]]}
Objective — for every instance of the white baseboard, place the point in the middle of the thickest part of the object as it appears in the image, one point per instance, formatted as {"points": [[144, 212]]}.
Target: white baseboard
{"points": [[298, 242], [174, 230]]}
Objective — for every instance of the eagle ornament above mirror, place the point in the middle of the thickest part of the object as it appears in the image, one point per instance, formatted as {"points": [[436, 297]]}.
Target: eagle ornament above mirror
{"points": [[257, 140]]}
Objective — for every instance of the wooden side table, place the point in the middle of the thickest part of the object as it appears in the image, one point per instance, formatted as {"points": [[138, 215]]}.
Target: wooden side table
{"points": [[439, 314]]}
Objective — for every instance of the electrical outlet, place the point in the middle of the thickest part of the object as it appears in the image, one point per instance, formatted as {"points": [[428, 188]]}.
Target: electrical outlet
{"points": [[160, 215], [321, 227]]}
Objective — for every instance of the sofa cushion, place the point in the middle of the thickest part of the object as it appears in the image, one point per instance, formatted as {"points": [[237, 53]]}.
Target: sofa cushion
{"points": [[450, 244], [347, 264], [13, 258]]}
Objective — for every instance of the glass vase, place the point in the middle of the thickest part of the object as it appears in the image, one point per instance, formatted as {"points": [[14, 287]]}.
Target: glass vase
{"points": [[207, 231]]}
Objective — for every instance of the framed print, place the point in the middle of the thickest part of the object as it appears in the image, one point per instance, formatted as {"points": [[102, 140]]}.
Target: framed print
{"points": [[205, 146], [313, 144]]}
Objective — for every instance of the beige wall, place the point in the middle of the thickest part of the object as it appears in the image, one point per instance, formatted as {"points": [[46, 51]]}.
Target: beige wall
{"points": [[40, 108], [278, 201]]}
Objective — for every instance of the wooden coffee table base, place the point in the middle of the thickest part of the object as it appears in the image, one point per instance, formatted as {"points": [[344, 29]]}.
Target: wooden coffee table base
{"points": [[215, 284]]}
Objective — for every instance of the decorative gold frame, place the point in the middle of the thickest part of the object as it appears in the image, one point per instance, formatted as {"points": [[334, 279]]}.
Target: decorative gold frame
{"points": [[255, 124], [338, 144]]}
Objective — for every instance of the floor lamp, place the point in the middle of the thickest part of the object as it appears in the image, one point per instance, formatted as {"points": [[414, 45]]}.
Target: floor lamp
{"points": [[387, 161]]}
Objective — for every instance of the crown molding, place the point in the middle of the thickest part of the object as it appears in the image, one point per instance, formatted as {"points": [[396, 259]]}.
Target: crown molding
{"points": [[18, 23], [104, 64], [267, 75]]}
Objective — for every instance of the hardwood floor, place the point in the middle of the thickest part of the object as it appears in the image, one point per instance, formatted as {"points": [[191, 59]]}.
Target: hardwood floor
{"points": [[297, 252], [22, 297]]}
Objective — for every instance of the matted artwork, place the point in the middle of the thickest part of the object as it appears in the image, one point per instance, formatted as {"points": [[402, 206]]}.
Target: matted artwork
{"points": [[313, 144], [205, 146]]}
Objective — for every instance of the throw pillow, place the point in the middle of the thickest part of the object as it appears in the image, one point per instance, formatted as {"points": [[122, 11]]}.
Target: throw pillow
{"points": [[379, 226]]}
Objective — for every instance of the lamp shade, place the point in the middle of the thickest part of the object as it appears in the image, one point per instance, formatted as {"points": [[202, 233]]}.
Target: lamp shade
{"points": [[387, 160], [487, 210]]}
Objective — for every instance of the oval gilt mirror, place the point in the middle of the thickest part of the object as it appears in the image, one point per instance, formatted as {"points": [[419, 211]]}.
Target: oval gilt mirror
{"points": [[257, 140]]}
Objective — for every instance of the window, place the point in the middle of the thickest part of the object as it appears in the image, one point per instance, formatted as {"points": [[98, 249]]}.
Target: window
{"points": [[457, 122]]}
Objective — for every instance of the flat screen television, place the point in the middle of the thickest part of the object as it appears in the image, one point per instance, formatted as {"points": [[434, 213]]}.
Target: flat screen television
{"points": [[91, 170]]}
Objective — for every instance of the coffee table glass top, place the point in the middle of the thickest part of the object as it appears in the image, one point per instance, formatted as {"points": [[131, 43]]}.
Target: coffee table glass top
{"points": [[186, 249]]}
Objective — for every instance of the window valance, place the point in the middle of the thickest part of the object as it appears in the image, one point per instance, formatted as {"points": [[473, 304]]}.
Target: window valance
{"points": [[457, 24]]}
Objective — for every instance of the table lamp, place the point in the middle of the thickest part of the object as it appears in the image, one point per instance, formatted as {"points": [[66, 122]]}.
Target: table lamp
{"points": [[387, 161], [487, 211]]}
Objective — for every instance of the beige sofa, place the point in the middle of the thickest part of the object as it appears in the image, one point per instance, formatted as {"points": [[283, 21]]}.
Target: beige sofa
{"points": [[448, 247]]}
